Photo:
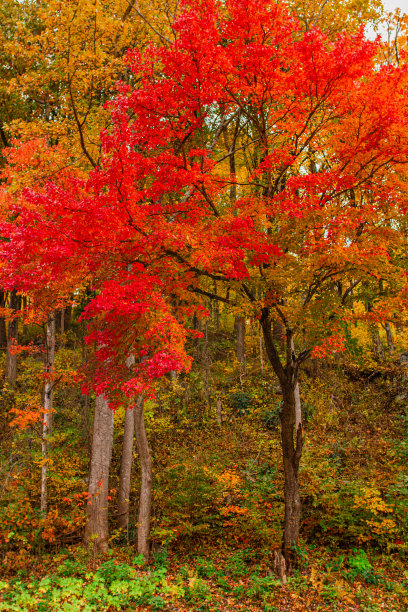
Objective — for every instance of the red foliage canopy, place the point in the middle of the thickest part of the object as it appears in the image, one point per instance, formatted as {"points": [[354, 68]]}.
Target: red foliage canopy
{"points": [[315, 132]]}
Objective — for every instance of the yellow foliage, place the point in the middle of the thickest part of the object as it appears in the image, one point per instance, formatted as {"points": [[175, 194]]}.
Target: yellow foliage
{"points": [[371, 501]]}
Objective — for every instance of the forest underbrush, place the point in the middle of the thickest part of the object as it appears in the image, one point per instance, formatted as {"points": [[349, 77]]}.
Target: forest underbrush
{"points": [[218, 494]]}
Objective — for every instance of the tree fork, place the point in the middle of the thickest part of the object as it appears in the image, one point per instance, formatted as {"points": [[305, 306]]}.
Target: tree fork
{"points": [[290, 421]]}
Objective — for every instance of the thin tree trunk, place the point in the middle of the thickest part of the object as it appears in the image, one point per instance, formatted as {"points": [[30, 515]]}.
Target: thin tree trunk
{"points": [[126, 469], [58, 322], [240, 328], [11, 358], [3, 329], [296, 394], [261, 351], [390, 340], [145, 501], [48, 409], [97, 529], [378, 349], [216, 309], [24, 302], [206, 359], [67, 317]]}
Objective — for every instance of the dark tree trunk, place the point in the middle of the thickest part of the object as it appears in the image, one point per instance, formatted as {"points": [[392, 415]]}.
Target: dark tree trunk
{"points": [[261, 351], [291, 453], [24, 304], [146, 487], [12, 335], [216, 310], [67, 315], [240, 329], [58, 321], [206, 364], [3, 328], [96, 529], [291, 438]]}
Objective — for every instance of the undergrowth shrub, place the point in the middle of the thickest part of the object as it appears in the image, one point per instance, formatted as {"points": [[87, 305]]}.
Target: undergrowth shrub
{"points": [[113, 586]]}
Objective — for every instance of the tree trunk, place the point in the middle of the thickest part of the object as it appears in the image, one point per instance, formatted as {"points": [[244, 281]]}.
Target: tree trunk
{"points": [[126, 469], [3, 329], [48, 409], [58, 322], [240, 328], [378, 349], [390, 340], [291, 453], [145, 501], [67, 317], [296, 394], [97, 529], [261, 351], [24, 304], [291, 439], [279, 334], [11, 358], [216, 309], [206, 363]]}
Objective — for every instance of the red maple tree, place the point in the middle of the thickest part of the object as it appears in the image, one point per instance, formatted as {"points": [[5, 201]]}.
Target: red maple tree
{"points": [[247, 154]]}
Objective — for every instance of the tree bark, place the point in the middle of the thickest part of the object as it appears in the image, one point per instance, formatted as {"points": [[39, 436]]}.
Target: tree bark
{"points": [[24, 304], [126, 469], [240, 328], [279, 334], [48, 409], [146, 487], [296, 393], [291, 453], [291, 439], [390, 340], [261, 351], [378, 349], [11, 358], [97, 529], [3, 329], [206, 363]]}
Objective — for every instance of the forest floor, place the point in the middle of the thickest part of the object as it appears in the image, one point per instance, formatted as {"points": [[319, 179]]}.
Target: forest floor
{"points": [[206, 580]]}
